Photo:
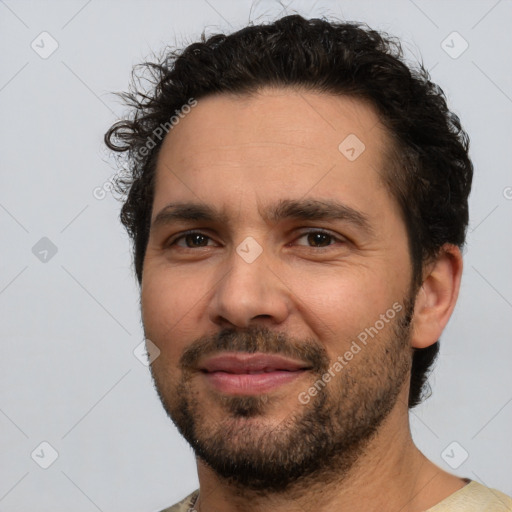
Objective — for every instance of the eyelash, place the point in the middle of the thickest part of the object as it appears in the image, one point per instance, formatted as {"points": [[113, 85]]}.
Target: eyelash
{"points": [[173, 241]]}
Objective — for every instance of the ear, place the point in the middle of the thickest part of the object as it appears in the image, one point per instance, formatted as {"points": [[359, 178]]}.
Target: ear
{"points": [[437, 296]]}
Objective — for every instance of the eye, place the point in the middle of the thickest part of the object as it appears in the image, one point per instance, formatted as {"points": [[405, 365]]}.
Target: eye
{"points": [[319, 239], [192, 239], [316, 238]]}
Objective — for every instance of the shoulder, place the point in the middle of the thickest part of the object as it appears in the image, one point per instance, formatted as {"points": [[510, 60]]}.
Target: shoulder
{"points": [[475, 497], [185, 505]]}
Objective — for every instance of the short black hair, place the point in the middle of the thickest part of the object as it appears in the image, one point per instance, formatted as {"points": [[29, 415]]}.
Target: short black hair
{"points": [[430, 172]]}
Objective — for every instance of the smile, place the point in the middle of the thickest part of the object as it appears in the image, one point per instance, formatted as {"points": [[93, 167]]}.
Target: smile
{"points": [[245, 374]]}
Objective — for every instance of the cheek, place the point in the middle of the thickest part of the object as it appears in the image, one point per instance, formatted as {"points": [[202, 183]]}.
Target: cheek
{"points": [[340, 304], [168, 306]]}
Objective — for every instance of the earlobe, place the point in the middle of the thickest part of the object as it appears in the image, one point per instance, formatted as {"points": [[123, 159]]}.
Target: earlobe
{"points": [[437, 296]]}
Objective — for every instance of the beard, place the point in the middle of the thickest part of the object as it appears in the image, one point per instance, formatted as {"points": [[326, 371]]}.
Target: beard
{"points": [[318, 441]]}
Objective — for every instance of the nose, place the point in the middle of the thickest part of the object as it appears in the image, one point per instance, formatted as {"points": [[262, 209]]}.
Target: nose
{"points": [[249, 293]]}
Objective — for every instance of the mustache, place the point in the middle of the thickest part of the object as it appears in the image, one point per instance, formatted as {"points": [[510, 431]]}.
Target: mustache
{"points": [[256, 339]]}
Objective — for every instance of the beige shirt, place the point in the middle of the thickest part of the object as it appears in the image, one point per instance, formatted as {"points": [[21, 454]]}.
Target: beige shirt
{"points": [[473, 497]]}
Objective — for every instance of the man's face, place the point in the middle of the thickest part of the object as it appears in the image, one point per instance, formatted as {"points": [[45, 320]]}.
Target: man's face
{"points": [[253, 310]]}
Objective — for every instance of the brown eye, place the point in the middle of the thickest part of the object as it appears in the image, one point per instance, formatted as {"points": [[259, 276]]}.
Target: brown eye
{"points": [[192, 239], [319, 239]]}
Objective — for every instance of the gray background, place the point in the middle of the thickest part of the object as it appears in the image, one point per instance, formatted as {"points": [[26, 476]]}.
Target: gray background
{"points": [[70, 323]]}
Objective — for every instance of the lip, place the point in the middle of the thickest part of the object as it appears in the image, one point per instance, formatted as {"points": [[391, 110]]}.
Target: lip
{"points": [[243, 362], [244, 374]]}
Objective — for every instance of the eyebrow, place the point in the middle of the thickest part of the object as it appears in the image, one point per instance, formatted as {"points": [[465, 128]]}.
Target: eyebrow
{"points": [[298, 209]]}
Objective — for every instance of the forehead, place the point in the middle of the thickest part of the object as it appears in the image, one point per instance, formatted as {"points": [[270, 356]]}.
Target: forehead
{"points": [[278, 142], [306, 120]]}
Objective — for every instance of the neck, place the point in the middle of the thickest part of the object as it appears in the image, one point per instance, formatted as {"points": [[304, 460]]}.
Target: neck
{"points": [[391, 474]]}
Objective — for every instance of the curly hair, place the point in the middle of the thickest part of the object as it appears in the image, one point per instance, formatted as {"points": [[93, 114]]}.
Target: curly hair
{"points": [[430, 171]]}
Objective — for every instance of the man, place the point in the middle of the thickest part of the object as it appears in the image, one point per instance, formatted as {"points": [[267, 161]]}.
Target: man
{"points": [[297, 197]]}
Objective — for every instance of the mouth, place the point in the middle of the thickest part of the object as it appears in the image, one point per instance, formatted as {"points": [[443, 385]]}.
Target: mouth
{"points": [[242, 373]]}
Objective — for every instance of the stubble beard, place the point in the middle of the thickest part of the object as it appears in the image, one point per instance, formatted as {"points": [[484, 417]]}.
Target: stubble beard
{"points": [[319, 441]]}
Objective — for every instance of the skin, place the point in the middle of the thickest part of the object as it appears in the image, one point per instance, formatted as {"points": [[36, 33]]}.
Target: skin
{"points": [[242, 154]]}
